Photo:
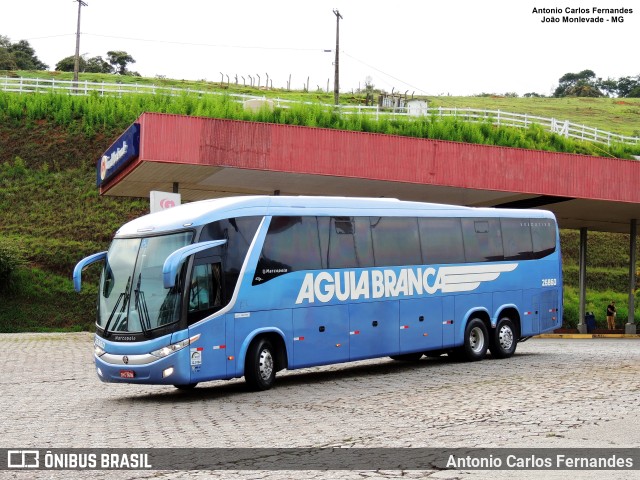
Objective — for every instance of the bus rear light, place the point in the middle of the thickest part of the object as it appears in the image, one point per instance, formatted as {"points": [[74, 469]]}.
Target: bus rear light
{"points": [[174, 347]]}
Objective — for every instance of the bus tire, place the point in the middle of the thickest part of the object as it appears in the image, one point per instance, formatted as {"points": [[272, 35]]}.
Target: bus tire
{"points": [[407, 357], [476, 341], [260, 365], [503, 340], [186, 386]]}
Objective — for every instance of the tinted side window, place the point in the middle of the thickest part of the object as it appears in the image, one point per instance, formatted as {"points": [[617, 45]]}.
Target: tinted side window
{"points": [[349, 242], [543, 234], [342, 243], [291, 244], [482, 239], [441, 240], [396, 241], [516, 238], [205, 291], [239, 233]]}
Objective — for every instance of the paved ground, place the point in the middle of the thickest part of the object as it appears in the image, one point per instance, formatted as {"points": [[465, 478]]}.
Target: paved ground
{"points": [[552, 393]]}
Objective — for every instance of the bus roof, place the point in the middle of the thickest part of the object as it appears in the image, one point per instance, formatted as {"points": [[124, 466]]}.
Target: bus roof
{"points": [[202, 212]]}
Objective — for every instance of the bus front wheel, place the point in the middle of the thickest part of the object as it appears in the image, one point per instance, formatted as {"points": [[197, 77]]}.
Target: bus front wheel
{"points": [[503, 340], [186, 386], [260, 366]]}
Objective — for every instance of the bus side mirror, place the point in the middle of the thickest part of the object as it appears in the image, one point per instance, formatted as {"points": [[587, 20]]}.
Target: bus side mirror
{"points": [[173, 261], [77, 271]]}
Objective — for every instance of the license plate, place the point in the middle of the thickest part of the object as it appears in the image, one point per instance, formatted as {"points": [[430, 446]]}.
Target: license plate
{"points": [[127, 374]]}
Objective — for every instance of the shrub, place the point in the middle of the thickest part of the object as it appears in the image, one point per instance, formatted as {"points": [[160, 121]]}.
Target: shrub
{"points": [[11, 258]]}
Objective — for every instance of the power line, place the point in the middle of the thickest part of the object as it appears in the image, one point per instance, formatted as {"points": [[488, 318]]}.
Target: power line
{"points": [[196, 44], [245, 47], [50, 36], [385, 73]]}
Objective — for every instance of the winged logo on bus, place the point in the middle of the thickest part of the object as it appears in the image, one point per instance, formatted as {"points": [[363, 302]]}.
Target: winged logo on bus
{"points": [[469, 277], [390, 283]]}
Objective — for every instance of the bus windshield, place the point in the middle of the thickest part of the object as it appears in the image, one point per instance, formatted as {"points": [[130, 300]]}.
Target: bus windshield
{"points": [[132, 298]]}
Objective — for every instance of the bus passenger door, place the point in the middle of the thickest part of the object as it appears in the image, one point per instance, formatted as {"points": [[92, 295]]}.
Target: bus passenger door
{"points": [[420, 325], [374, 329], [208, 354], [320, 335]]}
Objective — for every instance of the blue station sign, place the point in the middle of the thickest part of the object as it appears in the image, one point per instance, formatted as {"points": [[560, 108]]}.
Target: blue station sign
{"points": [[120, 153]]}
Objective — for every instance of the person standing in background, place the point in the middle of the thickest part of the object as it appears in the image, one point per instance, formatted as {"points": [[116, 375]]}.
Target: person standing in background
{"points": [[611, 315]]}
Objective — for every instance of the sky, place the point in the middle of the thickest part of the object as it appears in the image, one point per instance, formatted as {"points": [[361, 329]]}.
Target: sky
{"points": [[451, 47]]}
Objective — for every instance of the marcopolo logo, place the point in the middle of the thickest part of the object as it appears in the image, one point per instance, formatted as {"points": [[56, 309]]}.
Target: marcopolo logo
{"points": [[387, 283]]}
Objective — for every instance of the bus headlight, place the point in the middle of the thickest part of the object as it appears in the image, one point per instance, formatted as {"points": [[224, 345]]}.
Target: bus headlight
{"points": [[98, 350], [174, 347]]}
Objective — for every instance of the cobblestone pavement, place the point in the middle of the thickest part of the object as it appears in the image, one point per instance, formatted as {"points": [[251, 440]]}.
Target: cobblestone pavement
{"points": [[552, 393]]}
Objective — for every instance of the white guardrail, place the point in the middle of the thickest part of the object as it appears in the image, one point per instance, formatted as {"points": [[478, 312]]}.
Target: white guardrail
{"points": [[496, 117]]}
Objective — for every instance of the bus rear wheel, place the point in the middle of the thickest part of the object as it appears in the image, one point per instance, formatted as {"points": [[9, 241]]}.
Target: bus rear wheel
{"points": [[475, 342], [504, 340], [260, 366]]}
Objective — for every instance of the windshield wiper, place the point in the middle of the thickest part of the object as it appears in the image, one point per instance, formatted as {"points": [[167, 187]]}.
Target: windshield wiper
{"points": [[141, 307], [124, 298]]}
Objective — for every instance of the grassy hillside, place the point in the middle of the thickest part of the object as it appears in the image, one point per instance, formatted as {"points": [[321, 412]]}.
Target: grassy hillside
{"points": [[51, 214], [616, 115]]}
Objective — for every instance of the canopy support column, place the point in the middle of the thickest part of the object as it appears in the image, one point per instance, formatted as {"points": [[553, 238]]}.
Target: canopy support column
{"points": [[630, 327], [582, 326]]}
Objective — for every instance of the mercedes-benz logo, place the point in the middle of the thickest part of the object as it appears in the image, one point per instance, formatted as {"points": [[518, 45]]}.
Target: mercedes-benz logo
{"points": [[125, 360]]}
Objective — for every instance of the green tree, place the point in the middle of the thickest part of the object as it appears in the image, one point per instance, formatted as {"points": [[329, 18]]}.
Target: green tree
{"points": [[582, 84], [629, 86], [119, 60], [91, 65], [25, 56], [67, 64], [98, 65], [609, 86], [7, 60]]}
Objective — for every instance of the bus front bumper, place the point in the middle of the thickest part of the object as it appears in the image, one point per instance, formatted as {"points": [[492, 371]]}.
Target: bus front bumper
{"points": [[170, 370]]}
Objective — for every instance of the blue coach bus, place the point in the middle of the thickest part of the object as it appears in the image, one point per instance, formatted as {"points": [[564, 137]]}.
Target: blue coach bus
{"points": [[248, 286]]}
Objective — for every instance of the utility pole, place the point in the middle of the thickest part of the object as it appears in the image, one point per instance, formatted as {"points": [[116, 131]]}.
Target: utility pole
{"points": [[336, 81], [76, 63]]}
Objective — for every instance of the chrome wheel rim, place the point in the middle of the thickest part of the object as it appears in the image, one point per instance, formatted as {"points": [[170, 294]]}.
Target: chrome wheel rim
{"points": [[505, 338], [266, 364], [476, 339]]}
